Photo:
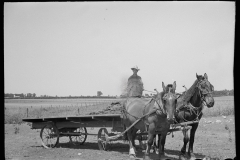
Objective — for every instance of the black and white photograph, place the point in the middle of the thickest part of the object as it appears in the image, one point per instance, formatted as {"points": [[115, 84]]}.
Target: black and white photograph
{"points": [[117, 80]]}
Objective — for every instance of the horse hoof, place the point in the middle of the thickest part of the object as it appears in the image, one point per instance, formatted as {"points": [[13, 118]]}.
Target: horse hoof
{"points": [[182, 157], [191, 156], [206, 158], [132, 156]]}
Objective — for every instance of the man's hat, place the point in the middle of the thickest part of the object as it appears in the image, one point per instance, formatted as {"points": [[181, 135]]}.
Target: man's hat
{"points": [[135, 68]]}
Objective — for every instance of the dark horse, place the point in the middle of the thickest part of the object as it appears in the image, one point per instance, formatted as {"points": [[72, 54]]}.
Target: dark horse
{"points": [[189, 108], [150, 115]]}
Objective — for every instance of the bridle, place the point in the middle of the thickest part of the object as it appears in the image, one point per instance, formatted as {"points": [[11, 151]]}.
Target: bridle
{"points": [[203, 92], [165, 96]]}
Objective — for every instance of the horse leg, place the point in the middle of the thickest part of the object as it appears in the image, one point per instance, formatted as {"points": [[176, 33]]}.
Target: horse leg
{"points": [[151, 133], [132, 153], [185, 141], [149, 144], [154, 145], [192, 136], [134, 131], [161, 146], [141, 142], [157, 143]]}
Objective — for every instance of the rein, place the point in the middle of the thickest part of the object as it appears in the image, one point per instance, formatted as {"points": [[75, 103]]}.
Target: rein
{"points": [[160, 106], [149, 91]]}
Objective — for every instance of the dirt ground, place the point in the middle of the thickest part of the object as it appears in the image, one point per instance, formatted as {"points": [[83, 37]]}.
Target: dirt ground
{"points": [[214, 138]]}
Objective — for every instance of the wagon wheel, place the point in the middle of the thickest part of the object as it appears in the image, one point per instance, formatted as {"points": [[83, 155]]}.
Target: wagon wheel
{"points": [[49, 136], [80, 139], [102, 143]]}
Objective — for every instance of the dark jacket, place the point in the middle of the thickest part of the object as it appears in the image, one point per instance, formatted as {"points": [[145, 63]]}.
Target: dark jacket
{"points": [[135, 86]]}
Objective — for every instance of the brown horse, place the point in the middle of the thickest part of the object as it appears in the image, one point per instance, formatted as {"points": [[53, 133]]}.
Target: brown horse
{"points": [[190, 106], [156, 115]]}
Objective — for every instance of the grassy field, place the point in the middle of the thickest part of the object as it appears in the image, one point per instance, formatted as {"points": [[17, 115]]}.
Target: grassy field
{"points": [[16, 109], [223, 106]]}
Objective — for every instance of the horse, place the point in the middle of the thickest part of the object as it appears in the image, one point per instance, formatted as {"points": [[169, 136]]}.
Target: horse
{"points": [[156, 114], [189, 108]]}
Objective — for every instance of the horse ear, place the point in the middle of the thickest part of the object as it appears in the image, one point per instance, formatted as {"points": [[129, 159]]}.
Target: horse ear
{"points": [[205, 76], [174, 85], [163, 86], [198, 77]]}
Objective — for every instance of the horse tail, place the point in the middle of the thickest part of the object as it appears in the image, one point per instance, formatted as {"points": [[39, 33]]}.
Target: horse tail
{"points": [[125, 137]]}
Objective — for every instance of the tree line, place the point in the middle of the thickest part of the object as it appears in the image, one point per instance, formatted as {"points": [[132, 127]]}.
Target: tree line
{"points": [[223, 93], [99, 95], [21, 95], [33, 96]]}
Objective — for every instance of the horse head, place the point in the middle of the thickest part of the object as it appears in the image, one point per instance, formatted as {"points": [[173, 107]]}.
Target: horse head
{"points": [[206, 89], [168, 100]]}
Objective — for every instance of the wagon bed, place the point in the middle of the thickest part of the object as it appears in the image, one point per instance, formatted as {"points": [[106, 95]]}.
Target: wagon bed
{"points": [[75, 127], [106, 120]]}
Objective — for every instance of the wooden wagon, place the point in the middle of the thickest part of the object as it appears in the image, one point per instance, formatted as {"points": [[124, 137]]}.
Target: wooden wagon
{"points": [[75, 128]]}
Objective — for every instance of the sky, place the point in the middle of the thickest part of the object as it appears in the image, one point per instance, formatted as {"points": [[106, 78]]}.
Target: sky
{"points": [[79, 48]]}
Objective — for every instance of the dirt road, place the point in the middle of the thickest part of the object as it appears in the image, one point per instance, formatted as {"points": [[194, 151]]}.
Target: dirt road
{"points": [[215, 138]]}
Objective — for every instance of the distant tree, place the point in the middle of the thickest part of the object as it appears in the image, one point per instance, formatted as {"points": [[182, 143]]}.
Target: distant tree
{"points": [[223, 93], [9, 95], [99, 93], [21, 95], [29, 95]]}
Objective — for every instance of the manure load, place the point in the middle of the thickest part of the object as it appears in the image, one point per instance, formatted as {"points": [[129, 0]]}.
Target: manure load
{"points": [[114, 108]]}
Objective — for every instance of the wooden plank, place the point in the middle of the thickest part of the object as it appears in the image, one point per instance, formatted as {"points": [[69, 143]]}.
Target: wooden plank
{"points": [[185, 123], [33, 120], [106, 117], [71, 124]]}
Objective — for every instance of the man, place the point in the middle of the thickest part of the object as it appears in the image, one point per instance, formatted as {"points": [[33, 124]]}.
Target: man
{"points": [[135, 84]]}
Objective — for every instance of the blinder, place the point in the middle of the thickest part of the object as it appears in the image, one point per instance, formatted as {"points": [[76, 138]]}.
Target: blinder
{"points": [[166, 95], [203, 89]]}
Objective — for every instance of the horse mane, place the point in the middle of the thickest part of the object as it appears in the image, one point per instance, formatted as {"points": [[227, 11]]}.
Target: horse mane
{"points": [[189, 93]]}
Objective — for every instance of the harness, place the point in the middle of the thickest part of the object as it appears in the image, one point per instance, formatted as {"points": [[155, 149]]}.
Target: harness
{"points": [[124, 112], [197, 110], [161, 110]]}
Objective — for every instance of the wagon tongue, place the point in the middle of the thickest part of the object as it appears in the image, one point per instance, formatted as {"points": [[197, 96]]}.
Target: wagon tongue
{"points": [[109, 138]]}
